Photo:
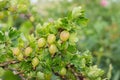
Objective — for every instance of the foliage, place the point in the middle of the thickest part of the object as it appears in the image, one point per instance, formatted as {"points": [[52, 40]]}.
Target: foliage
{"points": [[101, 35], [32, 56]]}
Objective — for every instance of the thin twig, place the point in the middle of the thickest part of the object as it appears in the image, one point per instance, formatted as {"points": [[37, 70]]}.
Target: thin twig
{"points": [[57, 74], [77, 75], [15, 71], [4, 64]]}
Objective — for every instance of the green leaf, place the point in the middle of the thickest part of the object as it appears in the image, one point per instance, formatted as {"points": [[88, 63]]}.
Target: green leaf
{"points": [[72, 49], [2, 36], [1, 71], [94, 73], [26, 27], [13, 33], [53, 30], [76, 12], [81, 21], [8, 75], [73, 38]]}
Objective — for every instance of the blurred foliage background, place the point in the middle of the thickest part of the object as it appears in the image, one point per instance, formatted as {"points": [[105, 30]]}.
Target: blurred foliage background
{"points": [[101, 36]]}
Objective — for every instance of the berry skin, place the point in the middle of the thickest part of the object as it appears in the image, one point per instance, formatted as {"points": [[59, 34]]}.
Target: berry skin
{"points": [[32, 19], [41, 42], [51, 38], [64, 35], [52, 49], [27, 52], [35, 62], [63, 71], [20, 57], [16, 51]]}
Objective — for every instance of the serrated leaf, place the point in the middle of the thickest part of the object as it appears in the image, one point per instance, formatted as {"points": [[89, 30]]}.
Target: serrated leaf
{"points": [[13, 33], [72, 49]]}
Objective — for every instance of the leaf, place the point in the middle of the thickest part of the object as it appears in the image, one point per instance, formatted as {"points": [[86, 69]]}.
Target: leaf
{"points": [[8, 75], [13, 33], [73, 38], [2, 36], [64, 45], [2, 58], [1, 71], [53, 30], [81, 21], [26, 27], [26, 65], [77, 11], [72, 49], [94, 73]]}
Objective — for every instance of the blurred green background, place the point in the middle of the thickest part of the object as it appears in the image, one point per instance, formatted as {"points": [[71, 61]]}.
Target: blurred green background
{"points": [[101, 36]]}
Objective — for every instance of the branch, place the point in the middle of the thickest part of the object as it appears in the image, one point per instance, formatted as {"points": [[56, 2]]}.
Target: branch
{"points": [[4, 64], [77, 75], [57, 74], [17, 72]]}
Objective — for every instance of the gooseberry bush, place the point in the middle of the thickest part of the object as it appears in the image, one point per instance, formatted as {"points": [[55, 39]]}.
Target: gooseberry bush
{"points": [[50, 52]]}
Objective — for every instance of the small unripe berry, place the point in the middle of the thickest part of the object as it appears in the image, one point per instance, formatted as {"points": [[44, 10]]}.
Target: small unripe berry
{"points": [[27, 52], [20, 57], [16, 51], [35, 62], [41, 42], [52, 49], [63, 71], [51, 38], [32, 19], [64, 35]]}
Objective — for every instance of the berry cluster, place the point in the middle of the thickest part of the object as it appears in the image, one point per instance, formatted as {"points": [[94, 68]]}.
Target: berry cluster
{"points": [[42, 43]]}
